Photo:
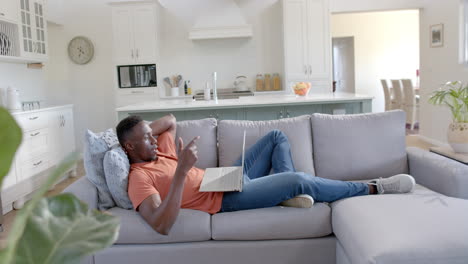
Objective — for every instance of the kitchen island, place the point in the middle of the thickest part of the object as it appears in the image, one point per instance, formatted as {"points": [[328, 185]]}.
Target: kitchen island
{"points": [[263, 107]]}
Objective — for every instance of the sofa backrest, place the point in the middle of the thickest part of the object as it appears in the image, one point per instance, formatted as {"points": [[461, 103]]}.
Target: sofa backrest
{"points": [[297, 129], [207, 144], [359, 147]]}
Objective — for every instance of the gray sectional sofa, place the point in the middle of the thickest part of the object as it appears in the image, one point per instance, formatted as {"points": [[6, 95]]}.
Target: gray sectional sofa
{"points": [[429, 225]]}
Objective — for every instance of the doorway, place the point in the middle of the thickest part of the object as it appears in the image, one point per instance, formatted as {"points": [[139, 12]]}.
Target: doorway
{"points": [[343, 65]]}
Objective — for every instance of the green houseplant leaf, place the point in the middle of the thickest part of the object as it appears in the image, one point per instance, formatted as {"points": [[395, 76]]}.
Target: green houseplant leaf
{"points": [[455, 96], [10, 139], [60, 229]]}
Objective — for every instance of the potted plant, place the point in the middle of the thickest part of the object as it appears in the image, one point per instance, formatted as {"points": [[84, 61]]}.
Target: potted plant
{"points": [[59, 229], [455, 96]]}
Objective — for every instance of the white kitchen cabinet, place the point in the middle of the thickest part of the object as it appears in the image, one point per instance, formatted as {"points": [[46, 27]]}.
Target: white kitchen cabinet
{"points": [[307, 43], [10, 178], [33, 30], [63, 134], [134, 33], [48, 136], [9, 10]]}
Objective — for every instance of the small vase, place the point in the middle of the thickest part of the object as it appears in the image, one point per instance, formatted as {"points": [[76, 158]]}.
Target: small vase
{"points": [[457, 135]]}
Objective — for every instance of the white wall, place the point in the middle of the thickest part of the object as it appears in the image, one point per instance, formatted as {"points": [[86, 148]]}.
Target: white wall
{"points": [[386, 46], [196, 60], [30, 82], [439, 65], [89, 87]]}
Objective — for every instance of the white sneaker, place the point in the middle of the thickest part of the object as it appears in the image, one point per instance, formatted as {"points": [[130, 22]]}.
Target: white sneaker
{"points": [[300, 201], [401, 183]]}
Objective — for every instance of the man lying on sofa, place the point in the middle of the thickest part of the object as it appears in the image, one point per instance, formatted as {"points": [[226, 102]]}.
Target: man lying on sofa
{"points": [[163, 180]]}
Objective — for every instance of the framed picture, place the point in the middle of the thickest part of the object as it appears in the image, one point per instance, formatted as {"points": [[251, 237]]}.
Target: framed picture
{"points": [[437, 35]]}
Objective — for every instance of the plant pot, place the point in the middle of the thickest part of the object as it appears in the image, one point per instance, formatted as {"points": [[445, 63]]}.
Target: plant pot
{"points": [[457, 135]]}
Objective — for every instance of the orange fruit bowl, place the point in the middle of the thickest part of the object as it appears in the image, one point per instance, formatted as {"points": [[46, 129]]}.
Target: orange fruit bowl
{"points": [[301, 88]]}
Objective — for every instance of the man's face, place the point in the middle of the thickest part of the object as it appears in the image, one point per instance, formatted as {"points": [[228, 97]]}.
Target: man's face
{"points": [[141, 143]]}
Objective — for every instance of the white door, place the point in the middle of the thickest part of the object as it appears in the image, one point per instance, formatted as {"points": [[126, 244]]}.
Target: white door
{"points": [[144, 29], [67, 133], [343, 64], [295, 40], [9, 10], [40, 29], [27, 28], [123, 42], [10, 178], [319, 44]]}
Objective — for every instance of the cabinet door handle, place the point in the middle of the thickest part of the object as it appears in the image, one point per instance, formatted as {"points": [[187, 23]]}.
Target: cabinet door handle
{"points": [[37, 163], [310, 69], [64, 120], [33, 118], [132, 55], [2, 14], [137, 53], [137, 92], [305, 69], [35, 134], [280, 114]]}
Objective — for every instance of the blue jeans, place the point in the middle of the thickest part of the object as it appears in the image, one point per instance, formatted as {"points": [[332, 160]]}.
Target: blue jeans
{"points": [[272, 152]]}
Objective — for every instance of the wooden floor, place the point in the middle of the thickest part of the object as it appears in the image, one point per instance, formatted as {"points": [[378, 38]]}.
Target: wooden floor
{"points": [[411, 140], [10, 216]]}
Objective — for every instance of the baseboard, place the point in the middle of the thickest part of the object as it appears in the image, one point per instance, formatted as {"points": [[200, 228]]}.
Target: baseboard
{"points": [[433, 141]]}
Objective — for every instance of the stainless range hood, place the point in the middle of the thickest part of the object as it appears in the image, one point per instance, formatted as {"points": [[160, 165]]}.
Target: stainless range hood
{"points": [[223, 19]]}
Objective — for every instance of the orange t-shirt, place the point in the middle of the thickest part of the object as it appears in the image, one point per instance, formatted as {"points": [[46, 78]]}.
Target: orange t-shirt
{"points": [[155, 177]]}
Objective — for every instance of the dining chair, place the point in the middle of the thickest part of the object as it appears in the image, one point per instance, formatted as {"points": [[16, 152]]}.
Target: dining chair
{"points": [[387, 94], [398, 95], [411, 103]]}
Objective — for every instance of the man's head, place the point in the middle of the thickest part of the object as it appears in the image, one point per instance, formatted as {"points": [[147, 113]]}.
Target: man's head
{"points": [[136, 138]]}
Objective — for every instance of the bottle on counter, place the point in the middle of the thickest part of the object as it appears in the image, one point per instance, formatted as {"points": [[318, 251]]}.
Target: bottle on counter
{"points": [[185, 88], [207, 94], [189, 88], [259, 83], [276, 82], [267, 80]]}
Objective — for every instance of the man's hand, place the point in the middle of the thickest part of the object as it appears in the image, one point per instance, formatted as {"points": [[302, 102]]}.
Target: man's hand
{"points": [[188, 155]]}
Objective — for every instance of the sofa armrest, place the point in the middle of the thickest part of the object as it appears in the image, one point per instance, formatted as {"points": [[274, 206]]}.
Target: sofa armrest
{"points": [[84, 190], [438, 173]]}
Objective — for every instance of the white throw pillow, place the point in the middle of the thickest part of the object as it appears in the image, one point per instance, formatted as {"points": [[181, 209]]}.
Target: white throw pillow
{"points": [[116, 169]]}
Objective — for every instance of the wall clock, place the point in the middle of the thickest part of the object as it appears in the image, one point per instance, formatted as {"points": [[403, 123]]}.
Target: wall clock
{"points": [[80, 50]]}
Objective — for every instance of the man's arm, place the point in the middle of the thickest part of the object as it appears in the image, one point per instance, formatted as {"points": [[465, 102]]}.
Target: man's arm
{"points": [[161, 215], [165, 123]]}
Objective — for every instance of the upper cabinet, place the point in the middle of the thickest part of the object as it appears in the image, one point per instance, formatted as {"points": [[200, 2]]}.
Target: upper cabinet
{"points": [[134, 33], [33, 29], [307, 43], [23, 31], [9, 10]]}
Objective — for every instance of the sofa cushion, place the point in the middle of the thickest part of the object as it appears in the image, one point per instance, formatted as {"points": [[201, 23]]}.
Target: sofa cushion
{"points": [[207, 144], [96, 146], [116, 168], [420, 227], [363, 146], [190, 226], [297, 129], [273, 223]]}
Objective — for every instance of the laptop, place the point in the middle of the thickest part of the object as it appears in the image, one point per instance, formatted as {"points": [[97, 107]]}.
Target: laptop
{"points": [[224, 179]]}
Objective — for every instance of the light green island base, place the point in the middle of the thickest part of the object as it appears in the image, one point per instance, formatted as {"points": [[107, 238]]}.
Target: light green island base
{"points": [[251, 108]]}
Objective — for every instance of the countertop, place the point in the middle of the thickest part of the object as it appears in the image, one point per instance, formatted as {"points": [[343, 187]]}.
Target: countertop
{"points": [[42, 109], [246, 101]]}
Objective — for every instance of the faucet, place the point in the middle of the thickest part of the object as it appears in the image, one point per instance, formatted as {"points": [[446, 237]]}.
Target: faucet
{"points": [[215, 90]]}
